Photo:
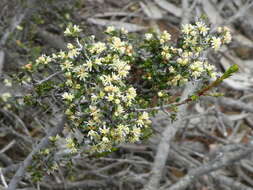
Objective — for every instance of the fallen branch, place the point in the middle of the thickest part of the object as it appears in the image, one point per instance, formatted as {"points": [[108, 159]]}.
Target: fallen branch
{"points": [[164, 145], [231, 183], [208, 168]]}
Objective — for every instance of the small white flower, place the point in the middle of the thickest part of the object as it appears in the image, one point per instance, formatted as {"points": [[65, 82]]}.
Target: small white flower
{"points": [[124, 31], [110, 29], [5, 96], [7, 83], [203, 29], [89, 65], [171, 69], [67, 32], [70, 46], [165, 36], [131, 93], [43, 59], [187, 28], [98, 48], [216, 43], [148, 36], [93, 134], [160, 94], [105, 140], [227, 35], [76, 28], [136, 131], [104, 130], [72, 30], [67, 96], [67, 65]]}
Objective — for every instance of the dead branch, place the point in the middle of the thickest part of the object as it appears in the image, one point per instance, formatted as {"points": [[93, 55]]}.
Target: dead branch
{"points": [[164, 145], [231, 182], [210, 167]]}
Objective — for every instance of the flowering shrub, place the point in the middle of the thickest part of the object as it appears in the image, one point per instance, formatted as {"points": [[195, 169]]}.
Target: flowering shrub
{"points": [[108, 86]]}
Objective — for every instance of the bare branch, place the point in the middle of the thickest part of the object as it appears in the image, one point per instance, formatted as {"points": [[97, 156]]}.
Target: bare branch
{"points": [[49, 77]]}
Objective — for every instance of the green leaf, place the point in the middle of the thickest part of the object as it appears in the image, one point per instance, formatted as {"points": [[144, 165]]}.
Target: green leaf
{"points": [[234, 68]]}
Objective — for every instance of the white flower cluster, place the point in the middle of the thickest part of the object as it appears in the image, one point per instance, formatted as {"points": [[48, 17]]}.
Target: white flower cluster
{"points": [[120, 46], [5, 96], [43, 60], [99, 99], [102, 78], [72, 30], [189, 59], [5, 99]]}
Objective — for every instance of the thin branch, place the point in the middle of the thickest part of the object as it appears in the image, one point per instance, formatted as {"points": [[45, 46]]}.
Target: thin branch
{"points": [[48, 78], [3, 178], [7, 147], [6, 160]]}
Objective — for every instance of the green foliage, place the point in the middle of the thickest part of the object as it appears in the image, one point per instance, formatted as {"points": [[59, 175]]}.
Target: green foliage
{"points": [[234, 68], [44, 88]]}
